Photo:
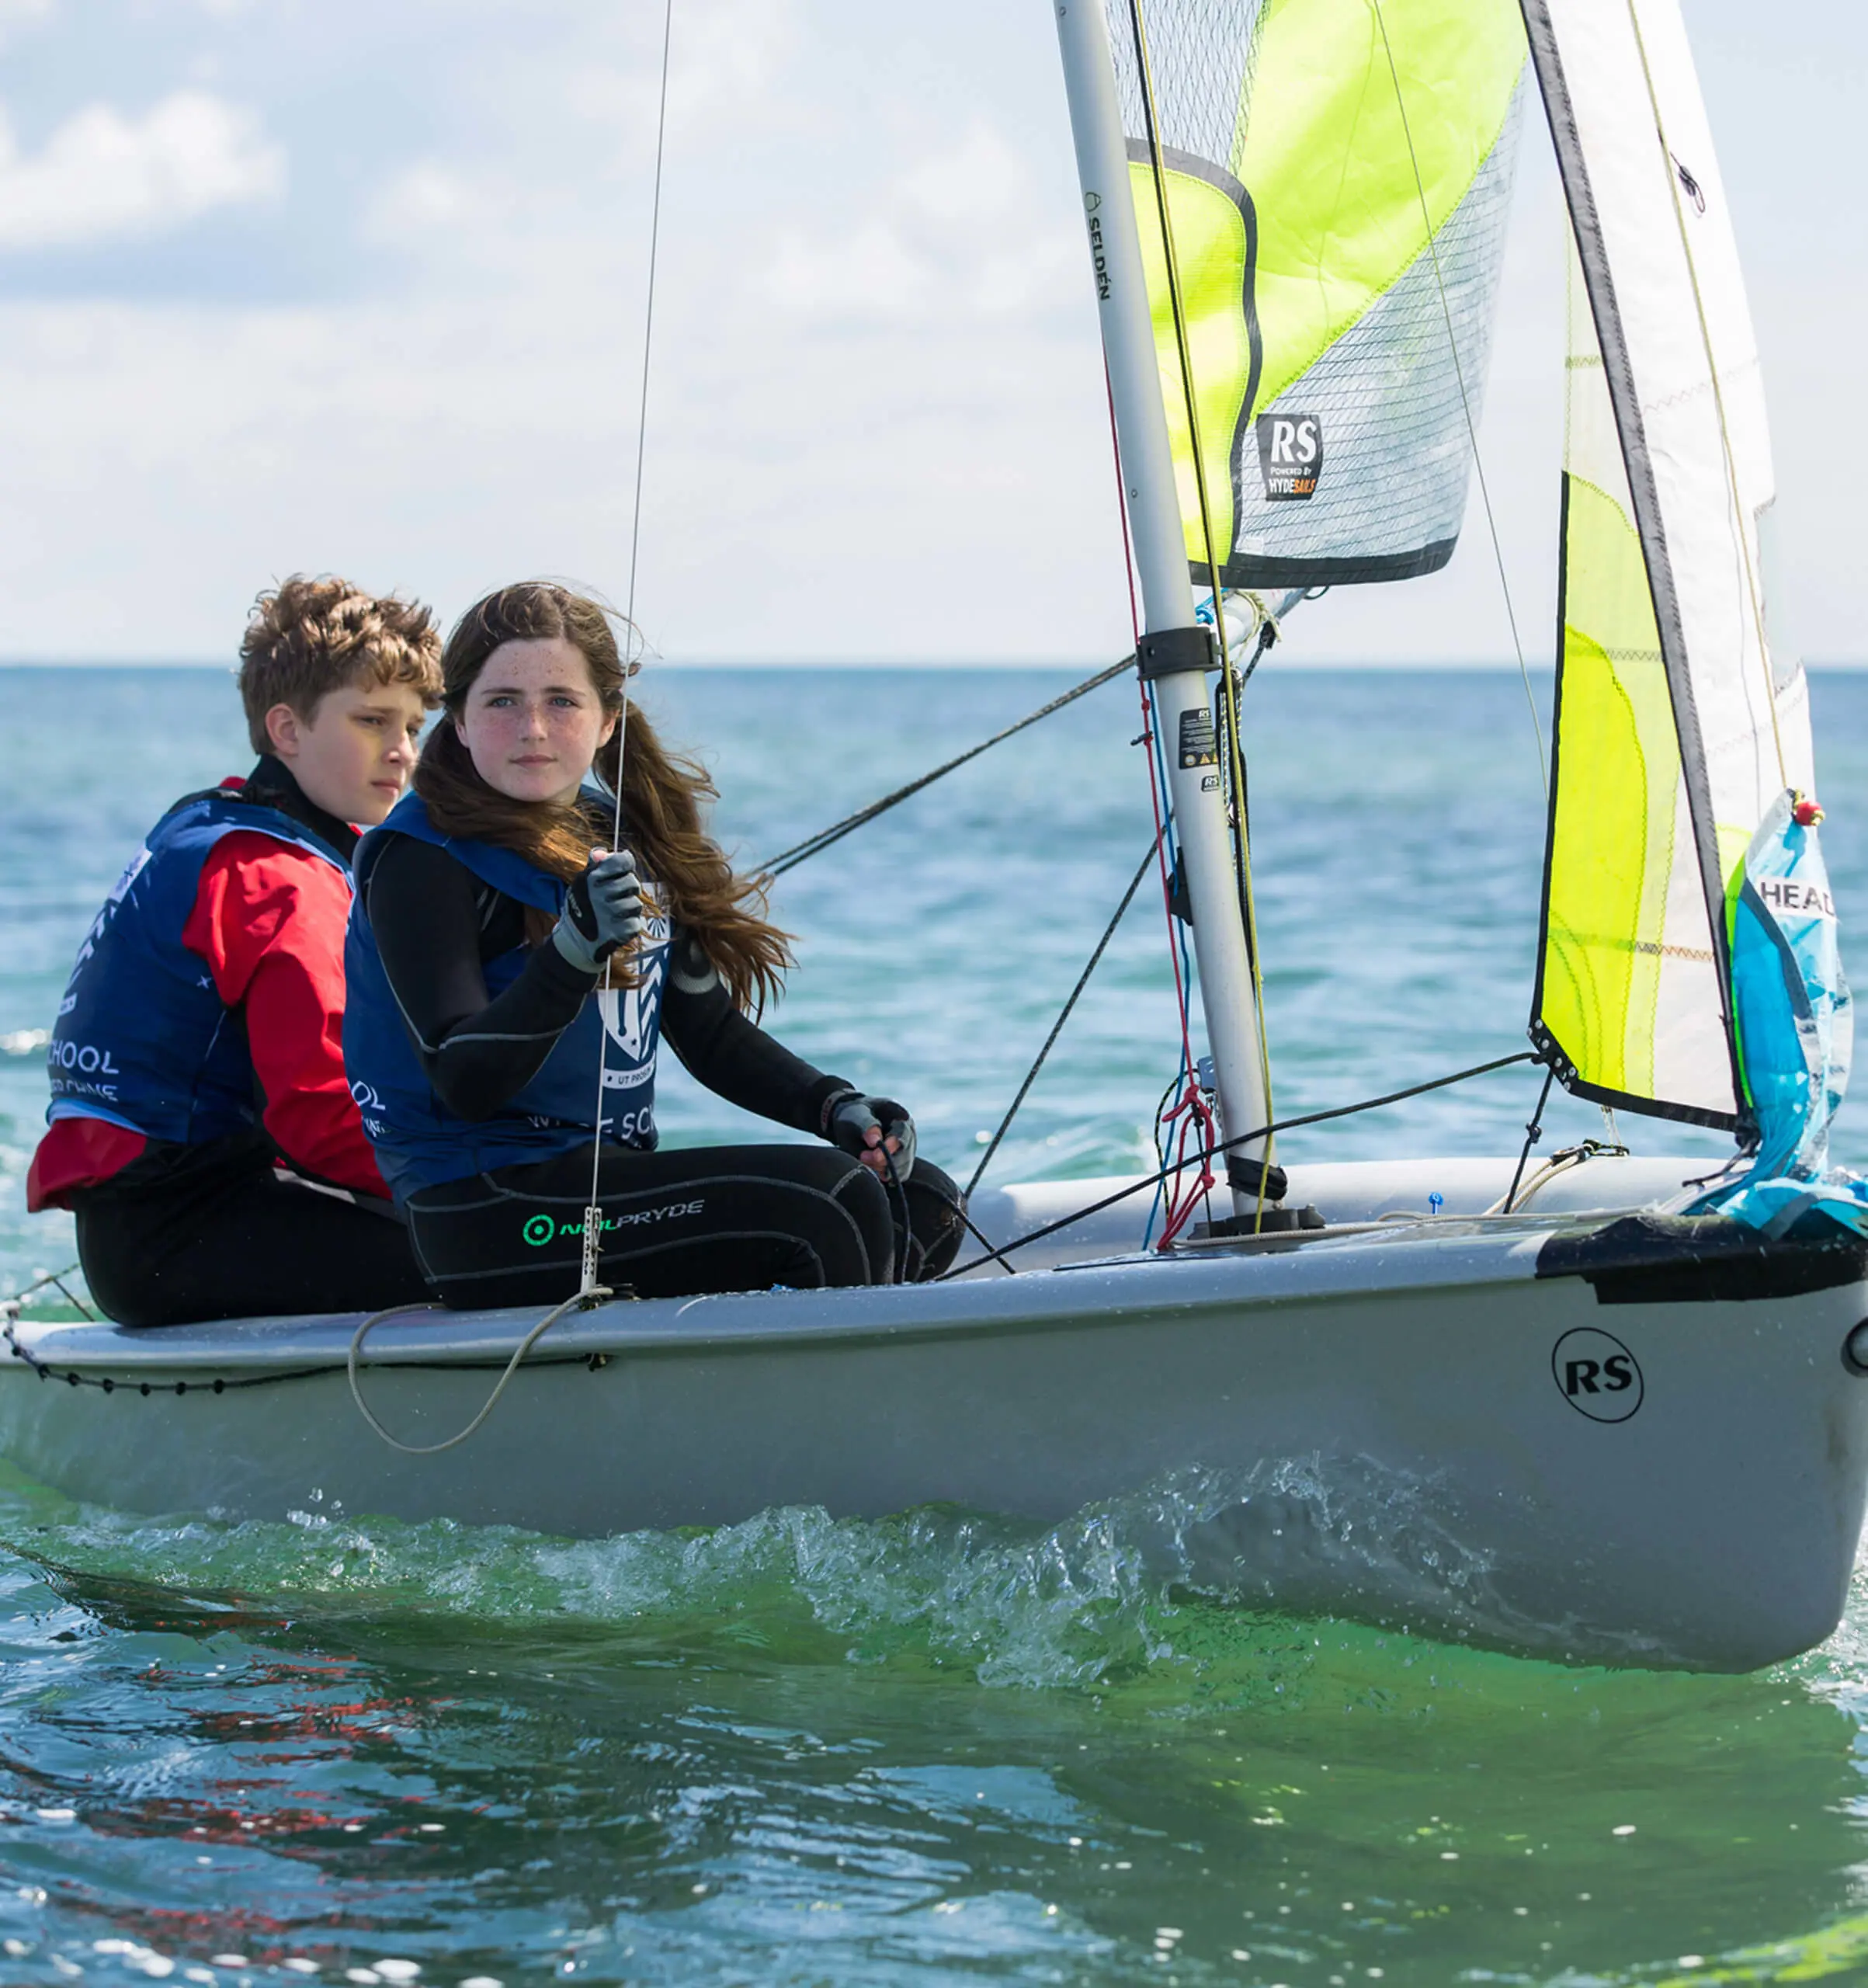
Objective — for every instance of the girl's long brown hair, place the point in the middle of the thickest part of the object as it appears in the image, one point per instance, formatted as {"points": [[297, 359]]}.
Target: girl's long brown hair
{"points": [[662, 792]]}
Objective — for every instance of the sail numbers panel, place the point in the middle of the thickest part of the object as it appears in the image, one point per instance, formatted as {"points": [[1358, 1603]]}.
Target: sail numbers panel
{"points": [[1675, 731], [1337, 175]]}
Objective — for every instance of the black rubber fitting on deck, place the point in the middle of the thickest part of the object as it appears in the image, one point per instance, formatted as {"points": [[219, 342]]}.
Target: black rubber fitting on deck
{"points": [[1253, 1176]]}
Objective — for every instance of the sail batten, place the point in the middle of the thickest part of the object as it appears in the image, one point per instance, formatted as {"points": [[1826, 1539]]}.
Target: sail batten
{"points": [[1676, 731]]}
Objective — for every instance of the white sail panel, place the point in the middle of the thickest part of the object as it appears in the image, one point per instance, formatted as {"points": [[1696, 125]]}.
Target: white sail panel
{"points": [[1680, 382], [1628, 1006]]}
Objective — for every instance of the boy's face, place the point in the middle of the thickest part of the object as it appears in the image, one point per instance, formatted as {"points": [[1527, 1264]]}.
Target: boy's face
{"points": [[353, 755]]}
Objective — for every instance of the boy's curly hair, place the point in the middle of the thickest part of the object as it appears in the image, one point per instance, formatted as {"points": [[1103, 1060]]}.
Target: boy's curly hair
{"points": [[311, 636]]}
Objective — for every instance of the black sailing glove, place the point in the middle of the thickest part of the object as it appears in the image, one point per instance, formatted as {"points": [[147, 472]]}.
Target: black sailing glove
{"points": [[850, 1118], [602, 911]]}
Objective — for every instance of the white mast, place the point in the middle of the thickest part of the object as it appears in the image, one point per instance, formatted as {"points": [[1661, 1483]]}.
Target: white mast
{"points": [[1176, 651]]}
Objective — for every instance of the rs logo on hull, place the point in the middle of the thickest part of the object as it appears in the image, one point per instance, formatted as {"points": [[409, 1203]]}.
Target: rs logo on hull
{"points": [[1597, 1375]]}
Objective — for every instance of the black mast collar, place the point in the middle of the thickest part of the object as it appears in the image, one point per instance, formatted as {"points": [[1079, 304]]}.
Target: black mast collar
{"points": [[1174, 651]]}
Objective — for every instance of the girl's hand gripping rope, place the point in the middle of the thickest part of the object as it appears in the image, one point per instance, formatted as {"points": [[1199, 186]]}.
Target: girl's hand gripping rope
{"points": [[603, 912], [869, 1128]]}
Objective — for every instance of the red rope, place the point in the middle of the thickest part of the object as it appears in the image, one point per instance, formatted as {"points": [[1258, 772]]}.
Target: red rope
{"points": [[1196, 1119]]}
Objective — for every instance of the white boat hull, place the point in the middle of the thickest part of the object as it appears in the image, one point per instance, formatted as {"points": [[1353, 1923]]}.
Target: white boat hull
{"points": [[1391, 1425]]}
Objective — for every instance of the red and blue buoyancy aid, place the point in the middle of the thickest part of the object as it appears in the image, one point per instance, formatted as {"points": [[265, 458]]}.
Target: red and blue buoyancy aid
{"points": [[420, 1142], [143, 1039]]}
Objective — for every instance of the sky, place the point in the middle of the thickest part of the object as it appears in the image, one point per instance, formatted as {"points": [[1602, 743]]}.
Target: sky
{"points": [[319, 285]]}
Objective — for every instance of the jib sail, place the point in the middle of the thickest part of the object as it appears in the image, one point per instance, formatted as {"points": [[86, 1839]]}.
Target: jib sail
{"points": [[1336, 175], [1676, 730]]}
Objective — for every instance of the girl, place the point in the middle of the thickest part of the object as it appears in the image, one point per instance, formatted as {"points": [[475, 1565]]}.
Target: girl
{"points": [[496, 944]]}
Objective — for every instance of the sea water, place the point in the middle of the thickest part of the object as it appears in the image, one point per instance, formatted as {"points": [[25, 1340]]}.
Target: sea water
{"points": [[936, 1748]]}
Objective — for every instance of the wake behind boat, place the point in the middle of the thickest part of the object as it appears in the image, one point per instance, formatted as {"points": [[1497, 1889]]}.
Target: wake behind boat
{"points": [[1615, 1408]]}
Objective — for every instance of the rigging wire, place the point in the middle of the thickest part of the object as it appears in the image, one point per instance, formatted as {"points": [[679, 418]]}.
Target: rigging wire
{"points": [[1191, 1113], [57, 1280], [1241, 839], [588, 1289], [1063, 1015], [1532, 1133], [1243, 1138], [1458, 374], [1167, 852], [802, 852]]}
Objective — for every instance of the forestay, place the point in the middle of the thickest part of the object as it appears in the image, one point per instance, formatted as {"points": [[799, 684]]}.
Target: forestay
{"points": [[1676, 730], [1337, 175]]}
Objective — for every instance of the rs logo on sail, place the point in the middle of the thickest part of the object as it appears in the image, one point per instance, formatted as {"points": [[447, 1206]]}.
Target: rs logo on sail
{"points": [[1290, 456]]}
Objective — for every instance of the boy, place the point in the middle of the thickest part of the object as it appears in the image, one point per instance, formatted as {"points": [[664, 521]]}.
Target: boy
{"points": [[201, 1127]]}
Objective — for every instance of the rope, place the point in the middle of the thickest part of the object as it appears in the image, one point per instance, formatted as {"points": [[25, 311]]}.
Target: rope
{"points": [[973, 1229], [1243, 1138], [1161, 804], [1236, 768], [1192, 1107], [1565, 1162], [588, 1287], [1268, 634], [107, 1385], [802, 852], [1472, 431], [578, 1299], [56, 1279], [1532, 1133], [1063, 1015]]}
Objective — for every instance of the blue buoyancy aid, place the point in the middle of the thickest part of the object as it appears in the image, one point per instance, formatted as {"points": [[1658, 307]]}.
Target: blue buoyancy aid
{"points": [[420, 1142], [142, 1038]]}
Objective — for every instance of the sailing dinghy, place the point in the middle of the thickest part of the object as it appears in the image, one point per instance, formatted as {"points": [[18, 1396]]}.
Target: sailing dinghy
{"points": [[1601, 1408]]}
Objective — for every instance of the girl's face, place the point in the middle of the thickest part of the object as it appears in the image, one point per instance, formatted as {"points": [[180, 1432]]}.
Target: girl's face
{"points": [[533, 722]]}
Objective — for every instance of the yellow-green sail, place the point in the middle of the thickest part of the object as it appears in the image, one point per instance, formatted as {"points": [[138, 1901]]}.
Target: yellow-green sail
{"points": [[1676, 729], [1628, 1004], [1336, 175]]}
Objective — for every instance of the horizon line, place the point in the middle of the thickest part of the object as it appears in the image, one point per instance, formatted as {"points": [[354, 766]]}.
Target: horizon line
{"points": [[1306, 665]]}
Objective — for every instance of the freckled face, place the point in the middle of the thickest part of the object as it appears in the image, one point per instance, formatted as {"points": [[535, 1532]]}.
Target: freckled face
{"points": [[533, 722]]}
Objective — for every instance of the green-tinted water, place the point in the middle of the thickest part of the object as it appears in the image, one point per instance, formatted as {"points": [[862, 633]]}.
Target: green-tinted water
{"points": [[937, 1748], [773, 1754]]}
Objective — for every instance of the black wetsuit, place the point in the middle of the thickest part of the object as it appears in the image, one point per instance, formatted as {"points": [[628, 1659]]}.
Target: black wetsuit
{"points": [[185, 1233], [676, 1222]]}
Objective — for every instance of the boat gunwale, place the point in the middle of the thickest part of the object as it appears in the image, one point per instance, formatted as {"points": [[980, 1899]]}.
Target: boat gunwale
{"points": [[1447, 1253]]}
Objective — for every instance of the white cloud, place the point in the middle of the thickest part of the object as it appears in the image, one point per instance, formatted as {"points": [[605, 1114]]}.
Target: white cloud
{"points": [[725, 57], [959, 230], [102, 174], [876, 422], [17, 14], [434, 203]]}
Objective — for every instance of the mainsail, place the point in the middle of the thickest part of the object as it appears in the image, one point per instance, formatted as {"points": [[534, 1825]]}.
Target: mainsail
{"points": [[1676, 730], [1336, 175]]}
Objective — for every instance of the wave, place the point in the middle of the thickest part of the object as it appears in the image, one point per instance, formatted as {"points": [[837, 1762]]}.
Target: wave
{"points": [[1181, 1573]]}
